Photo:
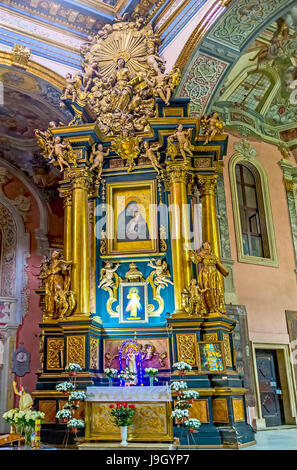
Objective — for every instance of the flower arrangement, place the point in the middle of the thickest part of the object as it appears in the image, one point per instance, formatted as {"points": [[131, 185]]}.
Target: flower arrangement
{"points": [[193, 424], [190, 394], [178, 386], [126, 375], [110, 374], [75, 424], [64, 415], [180, 414], [65, 387], [182, 367], [151, 372], [9, 416], [77, 396], [122, 413], [73, 368]]}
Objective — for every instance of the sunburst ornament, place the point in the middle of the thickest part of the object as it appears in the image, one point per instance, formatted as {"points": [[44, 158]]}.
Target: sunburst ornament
{"points": [[129, 44]]}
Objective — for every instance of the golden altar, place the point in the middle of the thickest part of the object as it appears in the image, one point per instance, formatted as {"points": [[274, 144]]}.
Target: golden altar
{"points": [[152, 420]]}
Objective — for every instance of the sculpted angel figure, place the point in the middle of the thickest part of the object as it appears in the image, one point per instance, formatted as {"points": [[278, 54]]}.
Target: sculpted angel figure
{"points": [[161, 274], [70, 87], [150, 152], [183, 138], [55, 276], [194, 298], [91, 71], [97, 158], [210, 279], [107, 275], [154, 62], [58, 149], [160, 86], [212, 126]]}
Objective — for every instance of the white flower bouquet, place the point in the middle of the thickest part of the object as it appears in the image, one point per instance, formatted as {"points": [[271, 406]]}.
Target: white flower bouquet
{"points": [[180, 415], [65, 387], [127, 375], [73, 368], [181, 367], [151, 372], [75, 424], [193, 424], [30, 417], [77, 396], [111, 372], [179, 386], [64, 415], [190, 395], [9, 415]]}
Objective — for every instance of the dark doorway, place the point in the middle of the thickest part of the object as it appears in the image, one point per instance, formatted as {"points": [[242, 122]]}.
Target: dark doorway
{"points": [[269, 387]]}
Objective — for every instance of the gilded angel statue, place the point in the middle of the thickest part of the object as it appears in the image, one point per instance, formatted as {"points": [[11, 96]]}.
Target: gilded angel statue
{"points": [[211, 125], [161, 273], [210, 280], [107, 276]]}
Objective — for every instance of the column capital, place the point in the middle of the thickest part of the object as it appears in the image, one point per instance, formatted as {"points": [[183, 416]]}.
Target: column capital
{"points": [[79, 178], [178, 172], [207, 185]]}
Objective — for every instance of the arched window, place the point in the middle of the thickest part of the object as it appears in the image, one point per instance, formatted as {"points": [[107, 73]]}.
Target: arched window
{"points": [[254, 229], [251, 209]]}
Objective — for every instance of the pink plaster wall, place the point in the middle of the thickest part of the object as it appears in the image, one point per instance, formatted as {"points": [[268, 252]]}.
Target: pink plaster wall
{"points": [[266, 291]]}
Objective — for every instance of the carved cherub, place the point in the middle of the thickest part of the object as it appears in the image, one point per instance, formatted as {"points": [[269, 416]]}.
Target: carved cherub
{"points": [[57, 151], [194, 298], [183, 141], [107, 275], [97, 158], [160, 86], [212, 125], [150, 153], [91, 71], [155, 62], [70, 89], [174, 78], [161, 273]]}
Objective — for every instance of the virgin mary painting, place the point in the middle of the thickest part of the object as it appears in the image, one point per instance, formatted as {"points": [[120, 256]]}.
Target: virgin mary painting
{"points": [[131, 225]]}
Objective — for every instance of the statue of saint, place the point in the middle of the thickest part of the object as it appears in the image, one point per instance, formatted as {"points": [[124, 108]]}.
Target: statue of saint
{"points": [[209, 279]]}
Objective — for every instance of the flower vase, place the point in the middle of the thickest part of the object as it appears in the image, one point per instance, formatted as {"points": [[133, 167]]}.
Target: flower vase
{"points": [[110, 381], [28, 436], [12, 429], [151, 381], [124, 435]]}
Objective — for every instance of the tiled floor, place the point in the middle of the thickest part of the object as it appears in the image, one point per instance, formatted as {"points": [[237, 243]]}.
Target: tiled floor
{"points": [[275, 439]]}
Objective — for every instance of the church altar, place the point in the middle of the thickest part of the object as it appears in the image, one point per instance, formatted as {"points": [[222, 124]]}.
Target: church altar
{"points": [[152, 420]]}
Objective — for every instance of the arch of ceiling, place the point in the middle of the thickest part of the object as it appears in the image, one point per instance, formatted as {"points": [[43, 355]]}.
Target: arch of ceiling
{"points": [[206, 65]]}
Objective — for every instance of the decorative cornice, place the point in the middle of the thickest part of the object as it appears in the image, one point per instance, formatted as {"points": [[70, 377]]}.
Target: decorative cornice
{"points": [[245, 149]]}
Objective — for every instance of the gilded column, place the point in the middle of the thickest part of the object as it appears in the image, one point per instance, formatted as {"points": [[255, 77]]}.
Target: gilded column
{"points": [[210, 231], [180, 230], [81, 180], [67, 199]]}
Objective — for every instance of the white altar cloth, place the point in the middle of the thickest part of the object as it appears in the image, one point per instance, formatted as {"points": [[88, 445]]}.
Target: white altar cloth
{"points": [[126, 394]]}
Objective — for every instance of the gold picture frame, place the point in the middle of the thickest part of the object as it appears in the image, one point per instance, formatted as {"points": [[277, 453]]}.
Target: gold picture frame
{"points": [[211, 357], [132, 224]]}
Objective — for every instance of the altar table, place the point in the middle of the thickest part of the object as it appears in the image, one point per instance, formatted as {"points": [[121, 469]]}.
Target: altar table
{"points": [[152, 420]]}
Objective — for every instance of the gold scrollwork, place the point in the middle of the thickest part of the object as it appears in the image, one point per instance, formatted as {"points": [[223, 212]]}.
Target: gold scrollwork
{"points": [[76, 348], [227, 349], [186, 348], [94, 353], [53, 354]]}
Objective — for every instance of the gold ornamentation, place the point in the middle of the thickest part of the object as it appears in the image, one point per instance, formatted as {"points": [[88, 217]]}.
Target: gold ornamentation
{"points": [[227, 349], [289, 184], [284, 150], [133, 275], [20, 56], [103, 243], [163, 237], [210, 337], [238, 410], [184, 144], [210, 279], [211, 126], [199, 410], [186, 348], [220, 410], [159, 277], [109, 281], [207, 185], [154, 156], [193, 300], [94, 353], [76, 349], [53, 355], [127, 147], [41, 351], [55, 274]]}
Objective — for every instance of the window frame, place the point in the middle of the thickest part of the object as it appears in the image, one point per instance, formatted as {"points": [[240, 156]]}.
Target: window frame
{"points": [[264, 207]]}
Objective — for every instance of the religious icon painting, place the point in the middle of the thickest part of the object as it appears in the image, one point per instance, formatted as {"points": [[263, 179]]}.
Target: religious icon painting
{"points": [[211, 358], [133, 302], [132, 217]]}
